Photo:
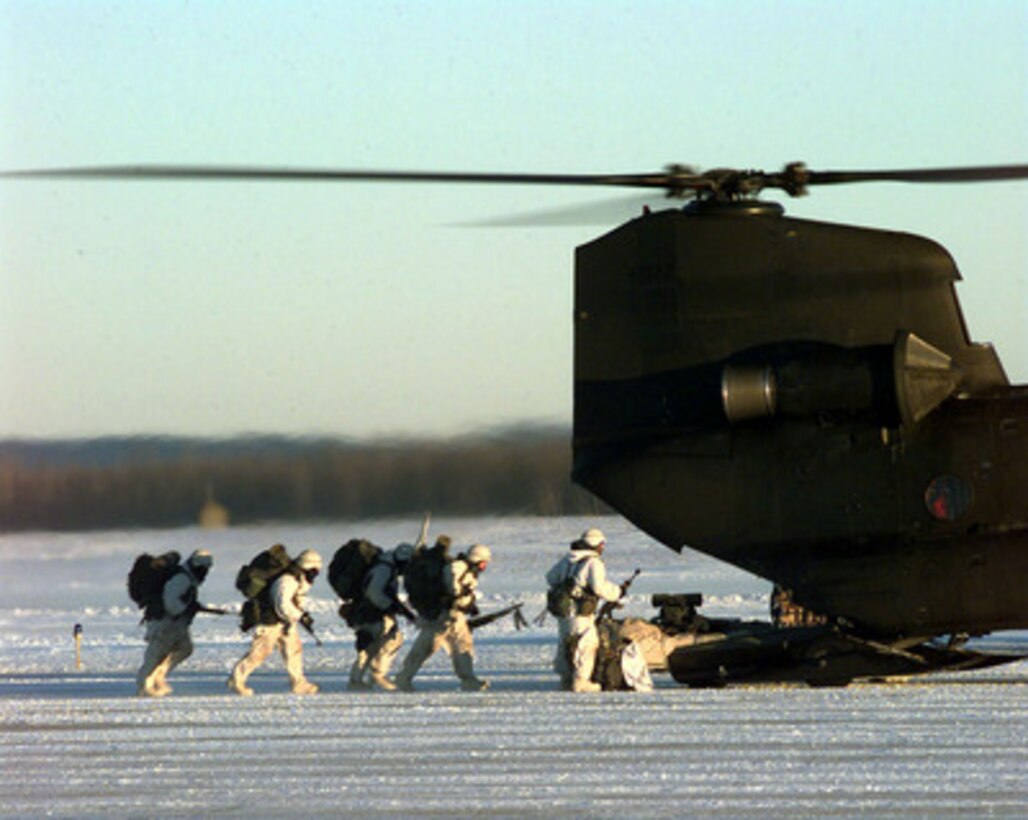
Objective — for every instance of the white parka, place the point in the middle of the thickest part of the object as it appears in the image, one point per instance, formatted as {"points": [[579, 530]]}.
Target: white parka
{"points": [[179, 593], [589, 572], [380, 585], [462, 582], [289, 596]]}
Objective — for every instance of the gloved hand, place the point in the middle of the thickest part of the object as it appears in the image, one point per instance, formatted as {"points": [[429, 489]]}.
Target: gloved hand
{"points": [[306, 621]]}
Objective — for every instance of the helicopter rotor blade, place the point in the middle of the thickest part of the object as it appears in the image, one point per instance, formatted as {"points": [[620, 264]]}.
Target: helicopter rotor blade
{"points": [[597, 212], [677, 181], [995, 173], [671, 179]]}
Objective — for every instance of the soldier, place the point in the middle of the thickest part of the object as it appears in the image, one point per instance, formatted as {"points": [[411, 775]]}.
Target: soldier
{"points": [[279, 626], [585, 576], [167, 638], [450, 627], [374, 620]]}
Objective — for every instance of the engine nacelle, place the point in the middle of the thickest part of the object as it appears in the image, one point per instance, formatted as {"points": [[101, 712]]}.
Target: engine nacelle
{"points": [[906, 381]]}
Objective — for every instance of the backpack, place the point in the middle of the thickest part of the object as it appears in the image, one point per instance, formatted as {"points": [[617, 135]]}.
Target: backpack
{"points": [[423, 580], [559, 602], [146, 582], [608, 672], [349, 567], [254, 580]]}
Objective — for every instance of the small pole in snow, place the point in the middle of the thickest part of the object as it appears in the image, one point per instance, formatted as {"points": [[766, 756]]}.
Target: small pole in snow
{"points": [[77, 634]]}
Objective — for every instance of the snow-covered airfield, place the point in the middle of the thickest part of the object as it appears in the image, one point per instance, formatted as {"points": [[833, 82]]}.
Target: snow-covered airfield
{"points": [[78, 743]]}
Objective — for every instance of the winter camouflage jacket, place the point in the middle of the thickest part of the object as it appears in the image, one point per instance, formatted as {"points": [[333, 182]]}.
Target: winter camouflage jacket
{"points": [[589, 573], [461, 580], [381, 586], [179, 593], [289, 597]]}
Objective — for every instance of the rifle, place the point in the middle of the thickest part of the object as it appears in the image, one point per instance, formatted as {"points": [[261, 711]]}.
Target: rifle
{"points": [[483, 620], [211, 610], [423, 535], [607, 610], [196, 606], [402, 609], [307, 622]]}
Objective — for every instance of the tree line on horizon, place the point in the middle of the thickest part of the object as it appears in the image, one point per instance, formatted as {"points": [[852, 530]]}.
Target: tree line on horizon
{"points": [[130, 483]]}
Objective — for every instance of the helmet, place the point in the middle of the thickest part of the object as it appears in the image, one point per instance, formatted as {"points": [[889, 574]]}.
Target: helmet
{"points": [[480, 554], [403, 553], [308, 559], [593, 538], [200, 559]]}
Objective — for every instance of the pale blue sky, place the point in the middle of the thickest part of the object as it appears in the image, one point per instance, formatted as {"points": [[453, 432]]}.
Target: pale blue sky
{"points": [[213, 309]]}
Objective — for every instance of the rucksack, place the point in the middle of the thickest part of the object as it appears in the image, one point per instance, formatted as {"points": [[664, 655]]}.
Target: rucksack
{"points": [[254, 580], [559, 602], [423, 580], [607, 671], [146, 581], [349, 567]]}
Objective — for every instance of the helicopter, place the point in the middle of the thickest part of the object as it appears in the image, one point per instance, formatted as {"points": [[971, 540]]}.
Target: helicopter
{"points": [[797, 398]]}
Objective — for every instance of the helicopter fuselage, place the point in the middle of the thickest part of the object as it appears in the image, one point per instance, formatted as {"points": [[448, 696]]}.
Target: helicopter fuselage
{"points": [[802, 400]]}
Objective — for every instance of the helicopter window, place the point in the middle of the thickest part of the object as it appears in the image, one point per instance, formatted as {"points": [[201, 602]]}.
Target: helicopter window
{"points": [[947, 497]]}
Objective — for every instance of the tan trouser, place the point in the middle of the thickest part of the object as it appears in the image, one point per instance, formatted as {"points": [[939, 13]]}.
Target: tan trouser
{"points": [[167, 645], [449, 631], [377, 657], [265, 639], [577, 644]]}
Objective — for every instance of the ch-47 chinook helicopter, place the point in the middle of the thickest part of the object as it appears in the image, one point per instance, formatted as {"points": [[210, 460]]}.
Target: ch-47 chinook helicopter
{"points": [[797, 398]]}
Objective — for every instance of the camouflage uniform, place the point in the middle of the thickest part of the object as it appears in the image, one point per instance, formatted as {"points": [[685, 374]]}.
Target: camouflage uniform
{"points": [[289, 601], [168, 642], [577, 639], [378, 634], [450, 629]]}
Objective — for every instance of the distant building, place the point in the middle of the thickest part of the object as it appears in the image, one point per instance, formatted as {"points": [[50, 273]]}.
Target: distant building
{"points": [[213, 516]]}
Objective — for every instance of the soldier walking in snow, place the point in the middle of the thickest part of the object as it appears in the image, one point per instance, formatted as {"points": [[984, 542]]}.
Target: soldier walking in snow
{"points": [[581, 578], [374, 620], [168, 642], [445, 623], [283, 610]]}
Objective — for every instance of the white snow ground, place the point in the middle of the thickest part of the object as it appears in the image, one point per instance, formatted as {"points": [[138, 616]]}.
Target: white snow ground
{"points": [[77, 743]]}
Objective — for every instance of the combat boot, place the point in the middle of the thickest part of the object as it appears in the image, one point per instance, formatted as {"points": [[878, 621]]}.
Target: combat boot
{"points": [[403, 683], [305, 687], [382, 682], [464, 666], [356, 682], [239, 687]]}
